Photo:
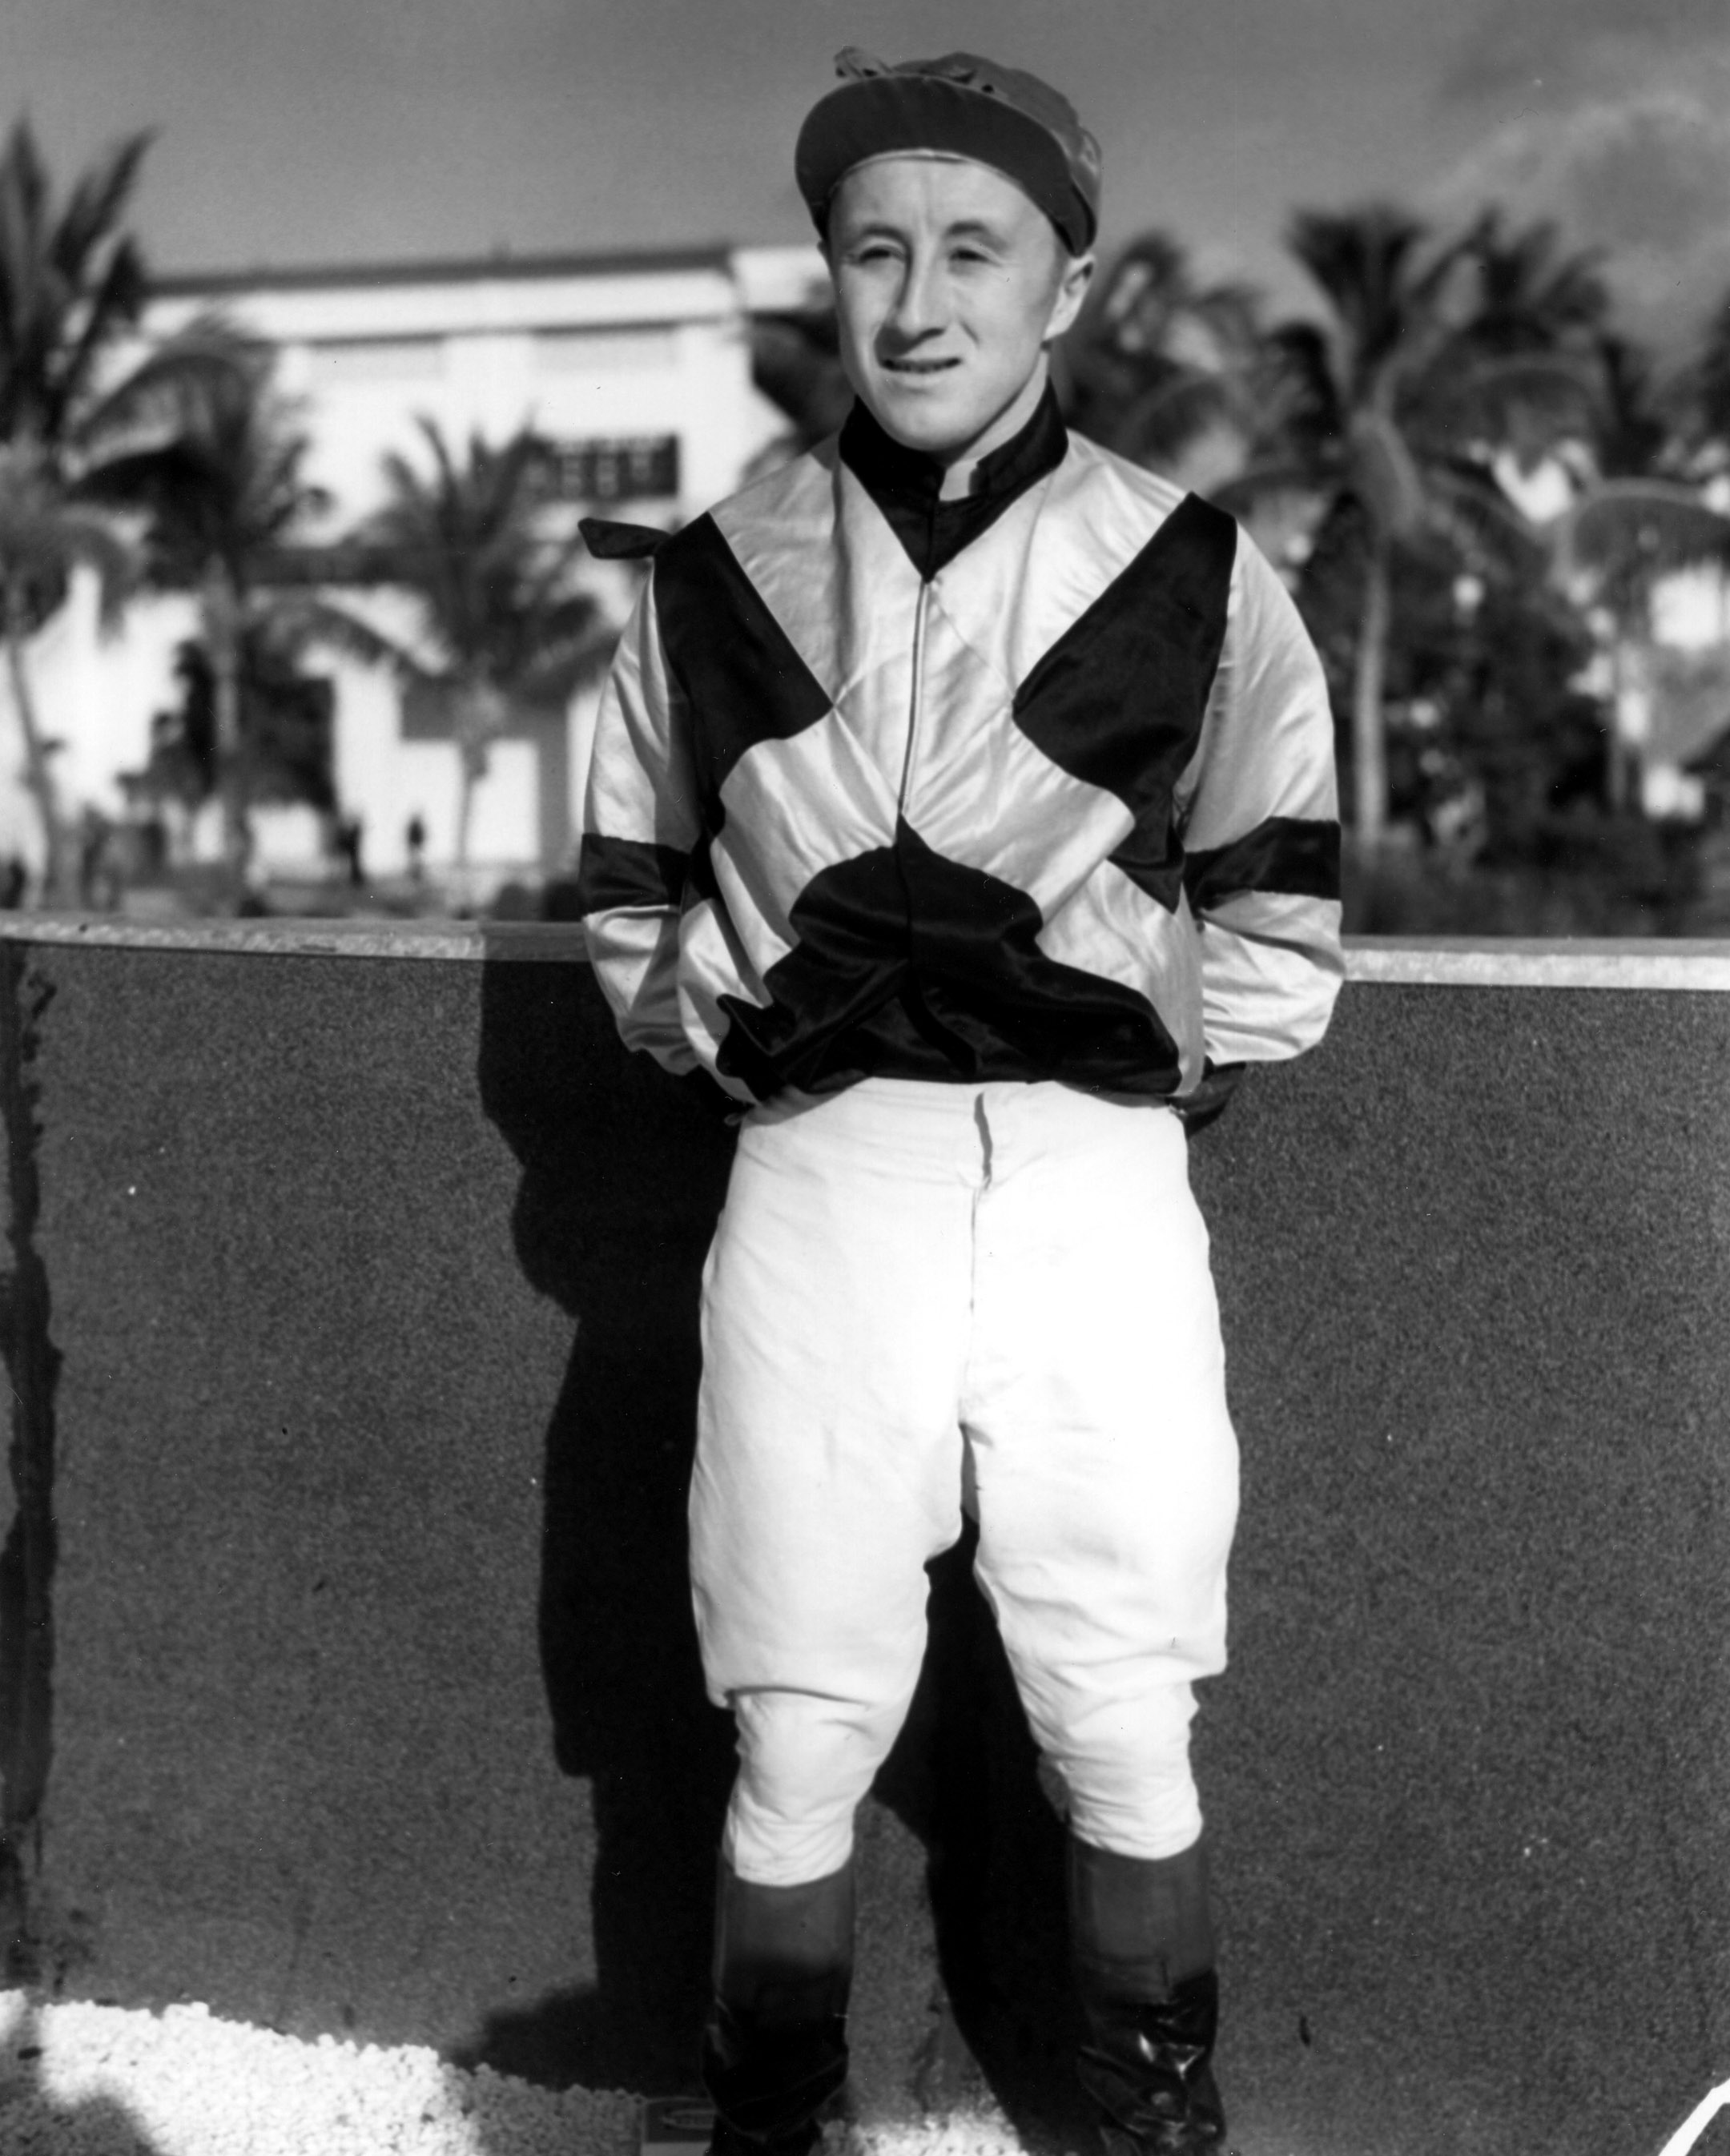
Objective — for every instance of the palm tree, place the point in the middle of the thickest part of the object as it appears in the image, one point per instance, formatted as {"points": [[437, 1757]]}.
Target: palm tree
{"points": [[72, 282], [43, 538], [226, 501], [1390, 410], [1708, 387], [1641, 512], [1533, 292], [1162, 364], [503, 626], [796, 363], [286, 727], [71, 288]]}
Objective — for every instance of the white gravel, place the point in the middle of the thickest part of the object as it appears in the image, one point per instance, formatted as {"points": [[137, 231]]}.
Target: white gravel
{"points": [[78, 2080], [101, 2080]]}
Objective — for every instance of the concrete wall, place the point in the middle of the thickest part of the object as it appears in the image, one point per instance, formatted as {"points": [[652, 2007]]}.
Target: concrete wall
{"points": [[346, 1680]]}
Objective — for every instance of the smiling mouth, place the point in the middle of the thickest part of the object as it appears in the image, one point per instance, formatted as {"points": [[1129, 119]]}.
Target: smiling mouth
{"points": [[919, 367]]}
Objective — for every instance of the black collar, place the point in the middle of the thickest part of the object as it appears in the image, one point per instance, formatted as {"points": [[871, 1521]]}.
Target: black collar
{"points": [[904, 483]]}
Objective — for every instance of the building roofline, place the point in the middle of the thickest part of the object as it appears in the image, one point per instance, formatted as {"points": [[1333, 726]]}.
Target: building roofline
{"points": [[477, 268]]}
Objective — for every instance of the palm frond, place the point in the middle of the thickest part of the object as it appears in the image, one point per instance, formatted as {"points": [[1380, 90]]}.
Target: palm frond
{"points": [[1170, 417], [565, 663], [43, 538], [1304, 393], [1534, 292], [1364, 261], [176, 388], [113, 302], [1641, 527], [1487, 531], [312, 621], [97, 198], [1382, 473], [1527, 401], [1268, 478]]}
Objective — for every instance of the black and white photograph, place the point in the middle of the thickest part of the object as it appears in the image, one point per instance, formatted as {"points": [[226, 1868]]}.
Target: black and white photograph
{"points": [[865, 1078]]}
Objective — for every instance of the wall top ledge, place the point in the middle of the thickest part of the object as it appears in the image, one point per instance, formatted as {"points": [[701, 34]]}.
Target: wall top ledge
{"points": [[297, 936], [1508, 961], [1452, 962]]}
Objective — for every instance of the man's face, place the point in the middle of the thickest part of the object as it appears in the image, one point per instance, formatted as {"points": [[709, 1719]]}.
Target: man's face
{"points": [[949, 284]]}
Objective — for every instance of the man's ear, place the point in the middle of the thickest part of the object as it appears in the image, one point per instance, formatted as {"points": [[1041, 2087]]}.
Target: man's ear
{"points": [[1075, 277]]}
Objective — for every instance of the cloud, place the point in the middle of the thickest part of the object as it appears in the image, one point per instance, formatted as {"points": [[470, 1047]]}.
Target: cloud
{"points": [[1611, 117], [1652, 176], [1644, 176], [1552, 44]]}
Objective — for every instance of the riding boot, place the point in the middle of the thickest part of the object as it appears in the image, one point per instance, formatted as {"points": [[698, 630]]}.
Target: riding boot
{"points": [[775, 2050], [1144, 1947]]}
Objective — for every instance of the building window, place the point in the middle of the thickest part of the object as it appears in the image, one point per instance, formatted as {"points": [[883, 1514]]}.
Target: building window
{"points": [[378, 359], [626, 467]]}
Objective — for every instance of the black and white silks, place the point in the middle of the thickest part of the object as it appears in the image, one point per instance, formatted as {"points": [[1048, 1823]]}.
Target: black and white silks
{"points": [[1035, 785]]}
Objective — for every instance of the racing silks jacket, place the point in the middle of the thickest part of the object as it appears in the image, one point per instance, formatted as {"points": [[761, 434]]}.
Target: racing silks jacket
{"points": [[1035, 785]]}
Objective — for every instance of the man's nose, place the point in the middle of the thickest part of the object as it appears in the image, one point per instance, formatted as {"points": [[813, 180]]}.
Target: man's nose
{"points": [[920, 305]]}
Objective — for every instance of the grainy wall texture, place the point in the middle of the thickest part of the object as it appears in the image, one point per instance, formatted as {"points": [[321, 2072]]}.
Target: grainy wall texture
{"points": [[346, 1677]]}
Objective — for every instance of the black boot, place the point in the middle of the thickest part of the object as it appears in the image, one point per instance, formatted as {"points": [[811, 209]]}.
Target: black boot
{"points": [[775, 2050], [1143, 1945]]}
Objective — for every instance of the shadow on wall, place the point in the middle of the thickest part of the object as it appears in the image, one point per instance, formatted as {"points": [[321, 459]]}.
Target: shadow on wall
{"points": [[964, 1778], [622, 1176], [27, 1562]]}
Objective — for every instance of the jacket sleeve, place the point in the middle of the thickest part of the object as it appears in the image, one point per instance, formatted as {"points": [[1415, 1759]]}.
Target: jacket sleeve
{"points": [[1259, 809], [640, 826]]}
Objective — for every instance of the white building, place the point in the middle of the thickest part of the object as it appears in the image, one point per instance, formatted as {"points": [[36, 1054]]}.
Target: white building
{"points": [[638, 366]]}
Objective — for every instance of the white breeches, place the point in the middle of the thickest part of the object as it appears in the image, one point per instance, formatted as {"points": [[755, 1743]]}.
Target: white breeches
{"points": [[915, 1288]]}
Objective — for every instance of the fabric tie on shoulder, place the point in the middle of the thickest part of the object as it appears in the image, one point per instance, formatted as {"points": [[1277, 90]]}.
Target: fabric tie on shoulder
{"points": [[610, 541]]}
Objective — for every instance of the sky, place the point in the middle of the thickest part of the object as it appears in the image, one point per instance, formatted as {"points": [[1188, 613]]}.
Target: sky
{"points": [[319, 131]]}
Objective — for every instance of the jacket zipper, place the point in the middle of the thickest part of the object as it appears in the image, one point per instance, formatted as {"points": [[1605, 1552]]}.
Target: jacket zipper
{"points": [[918, 699]]}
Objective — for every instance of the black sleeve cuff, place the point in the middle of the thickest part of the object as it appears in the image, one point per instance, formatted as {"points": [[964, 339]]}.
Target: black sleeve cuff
{"points": [[1211, 1097]]}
